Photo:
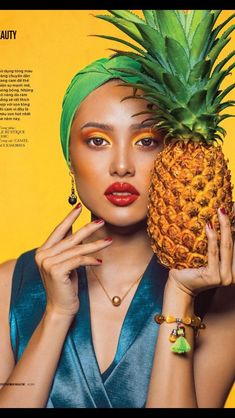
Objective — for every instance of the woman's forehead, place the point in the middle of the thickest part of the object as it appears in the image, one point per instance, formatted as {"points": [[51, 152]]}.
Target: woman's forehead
{"points": [[108, 97]]}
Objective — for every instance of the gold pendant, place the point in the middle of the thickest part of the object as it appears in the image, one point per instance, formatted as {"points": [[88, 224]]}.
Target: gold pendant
{"points": [[116, 301]]}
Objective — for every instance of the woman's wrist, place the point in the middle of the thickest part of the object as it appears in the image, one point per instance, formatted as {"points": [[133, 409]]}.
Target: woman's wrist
{"points": [[176, 301], [57, 318]]}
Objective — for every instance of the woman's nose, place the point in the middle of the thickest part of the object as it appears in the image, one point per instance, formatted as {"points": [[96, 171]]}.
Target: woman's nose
{"points": [[122, 163]]}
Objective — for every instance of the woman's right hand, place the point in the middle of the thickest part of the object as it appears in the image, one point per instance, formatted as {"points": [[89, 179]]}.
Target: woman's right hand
{"points": [[60, 256]]}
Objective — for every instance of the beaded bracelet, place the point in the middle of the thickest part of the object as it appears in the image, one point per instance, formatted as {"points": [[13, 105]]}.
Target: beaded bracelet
{"points": [[177, 335]]}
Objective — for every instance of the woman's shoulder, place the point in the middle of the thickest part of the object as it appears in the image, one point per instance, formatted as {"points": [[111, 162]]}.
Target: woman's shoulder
{"points": [[7, 267], [6, 272]]}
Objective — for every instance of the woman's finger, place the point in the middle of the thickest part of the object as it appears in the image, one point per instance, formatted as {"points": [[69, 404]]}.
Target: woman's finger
{"points": [[226, 248], [62, 229], [213, 253], [65, 267], [69, 232], [74, 239], [81, 250]]}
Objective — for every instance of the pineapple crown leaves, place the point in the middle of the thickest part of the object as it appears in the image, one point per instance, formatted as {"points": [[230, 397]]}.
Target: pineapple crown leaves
{"points": [[181, 75]]}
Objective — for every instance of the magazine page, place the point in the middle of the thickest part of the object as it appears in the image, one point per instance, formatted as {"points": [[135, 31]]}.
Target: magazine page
{"points": [[43, 178]]}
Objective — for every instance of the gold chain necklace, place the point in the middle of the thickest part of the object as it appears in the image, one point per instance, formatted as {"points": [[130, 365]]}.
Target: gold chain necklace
{"points": [[116, 300]]}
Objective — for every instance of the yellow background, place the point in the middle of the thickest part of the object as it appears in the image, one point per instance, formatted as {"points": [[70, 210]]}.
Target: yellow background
{"points": [[34, 180]]}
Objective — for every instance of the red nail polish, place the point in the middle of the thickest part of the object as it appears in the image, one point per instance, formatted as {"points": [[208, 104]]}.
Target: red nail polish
{"points": [[210, 226], [109, 239], [99, 221], [99, 260], [223, 211], [78, 206]]}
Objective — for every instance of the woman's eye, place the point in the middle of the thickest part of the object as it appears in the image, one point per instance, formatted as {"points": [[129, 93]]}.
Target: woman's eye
{"points": [[97, 141], [146, 142]]}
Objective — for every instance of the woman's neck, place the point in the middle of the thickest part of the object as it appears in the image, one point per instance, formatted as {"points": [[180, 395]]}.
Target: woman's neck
{"points": [[127, 256]]}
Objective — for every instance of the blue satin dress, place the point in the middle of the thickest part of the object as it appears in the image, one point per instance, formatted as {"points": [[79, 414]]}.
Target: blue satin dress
{"points": [[78, 382]]}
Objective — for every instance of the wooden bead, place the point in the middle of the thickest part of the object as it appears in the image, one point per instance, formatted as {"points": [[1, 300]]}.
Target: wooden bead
{"points": [[159, 319], [196, 321]]}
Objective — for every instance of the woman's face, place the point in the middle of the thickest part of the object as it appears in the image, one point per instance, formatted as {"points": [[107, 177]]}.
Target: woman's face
{"points": [[108, 145]]}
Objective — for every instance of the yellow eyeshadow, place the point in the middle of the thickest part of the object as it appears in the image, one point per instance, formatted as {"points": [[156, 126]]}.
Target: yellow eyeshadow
{"points": [[98, 135], [144, 135]]}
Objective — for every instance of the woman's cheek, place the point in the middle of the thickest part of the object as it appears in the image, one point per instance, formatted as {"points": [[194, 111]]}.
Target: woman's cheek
{"points": [[88, 186]]}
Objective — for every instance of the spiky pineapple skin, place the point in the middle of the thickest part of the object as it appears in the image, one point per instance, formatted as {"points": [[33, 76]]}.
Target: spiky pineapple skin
{"points": [[189, 182]]}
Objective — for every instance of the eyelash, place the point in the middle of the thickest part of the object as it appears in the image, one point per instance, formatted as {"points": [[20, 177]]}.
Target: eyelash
{"points": [[155, 142]]}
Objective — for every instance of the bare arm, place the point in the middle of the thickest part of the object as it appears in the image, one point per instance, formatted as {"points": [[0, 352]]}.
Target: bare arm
{"points": [[38, 364], [204, 376], [172, 381], [29, 383], [57, 260]]}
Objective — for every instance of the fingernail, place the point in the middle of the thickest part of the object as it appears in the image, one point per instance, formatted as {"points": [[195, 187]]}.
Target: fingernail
{"points": [[99, 221], [209, 224], [223, 211], [109, 239], [99, 260], [78, 206]]}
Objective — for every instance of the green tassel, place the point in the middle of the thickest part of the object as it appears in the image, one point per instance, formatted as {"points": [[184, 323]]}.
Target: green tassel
{"points": [[181, 346]]}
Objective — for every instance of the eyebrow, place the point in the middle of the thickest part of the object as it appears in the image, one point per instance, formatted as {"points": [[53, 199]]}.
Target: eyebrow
{"points": [[97, 125], [134, 126]]}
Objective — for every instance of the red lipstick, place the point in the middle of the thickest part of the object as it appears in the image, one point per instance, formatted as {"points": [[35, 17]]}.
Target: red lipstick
{"points": [[121, 194]]}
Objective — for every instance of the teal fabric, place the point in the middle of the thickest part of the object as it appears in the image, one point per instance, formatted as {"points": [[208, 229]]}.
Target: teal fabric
{"points": [[78, 382], [84, 82]]}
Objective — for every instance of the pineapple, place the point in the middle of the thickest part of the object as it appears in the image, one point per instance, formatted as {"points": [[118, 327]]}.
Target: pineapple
{"points": [[181, 78]]}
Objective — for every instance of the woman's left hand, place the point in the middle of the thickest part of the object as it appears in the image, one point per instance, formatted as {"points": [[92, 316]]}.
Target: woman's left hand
{"points": [[220, 270]]}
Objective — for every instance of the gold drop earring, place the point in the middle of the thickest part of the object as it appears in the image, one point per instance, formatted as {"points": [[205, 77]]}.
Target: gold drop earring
{"points": [[72, 198]]}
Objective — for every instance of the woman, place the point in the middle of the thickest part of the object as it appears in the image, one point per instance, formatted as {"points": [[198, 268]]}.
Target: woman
{"points": [[82, 305]]}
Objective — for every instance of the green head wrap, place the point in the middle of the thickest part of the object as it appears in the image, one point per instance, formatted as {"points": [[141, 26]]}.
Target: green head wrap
{"points": [[87, 80]]}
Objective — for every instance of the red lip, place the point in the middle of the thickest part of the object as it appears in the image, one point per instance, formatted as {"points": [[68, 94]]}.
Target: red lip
{"points": [[121, 187], [121, 200]]}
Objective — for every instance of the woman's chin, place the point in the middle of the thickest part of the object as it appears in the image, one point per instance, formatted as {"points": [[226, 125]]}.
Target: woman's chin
{"points": [[125, 223]]}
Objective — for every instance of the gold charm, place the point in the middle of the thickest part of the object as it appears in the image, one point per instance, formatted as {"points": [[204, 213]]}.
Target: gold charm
{"points": [[173, 336], [116, 301]]}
